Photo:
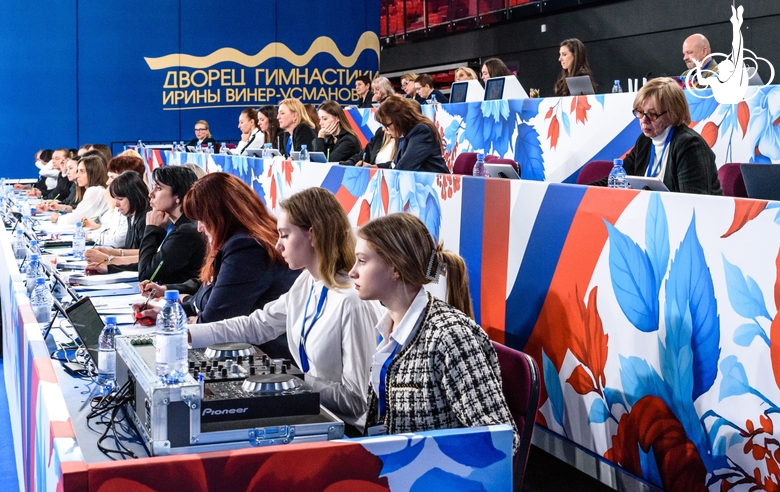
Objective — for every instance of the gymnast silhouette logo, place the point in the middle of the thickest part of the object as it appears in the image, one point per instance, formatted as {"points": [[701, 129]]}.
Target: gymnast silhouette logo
{"points": [[729, 84]]}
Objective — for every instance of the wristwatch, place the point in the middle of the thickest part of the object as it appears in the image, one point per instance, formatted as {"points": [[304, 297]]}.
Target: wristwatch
{"points": [[110, 259]]}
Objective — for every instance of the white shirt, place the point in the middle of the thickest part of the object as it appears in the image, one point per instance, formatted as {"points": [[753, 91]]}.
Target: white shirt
{"points": [[400, 337], [256, 144], [339, 346], [658, 142], [385, 154], [93, 204], [50, 174], [112, 231]]}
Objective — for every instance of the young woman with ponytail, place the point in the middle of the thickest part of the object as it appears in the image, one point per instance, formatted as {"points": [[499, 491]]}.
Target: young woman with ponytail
{"points": [[434, 368]]}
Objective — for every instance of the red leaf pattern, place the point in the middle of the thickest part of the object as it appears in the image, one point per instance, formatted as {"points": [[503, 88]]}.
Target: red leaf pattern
{"points": [[744, 212], [552, 132]]}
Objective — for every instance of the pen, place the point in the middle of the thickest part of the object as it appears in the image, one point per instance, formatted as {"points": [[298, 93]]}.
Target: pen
{"points": [[58, 195], [156, 270]]}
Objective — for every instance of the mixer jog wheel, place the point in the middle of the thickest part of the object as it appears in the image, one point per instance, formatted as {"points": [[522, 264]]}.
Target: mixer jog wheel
{"points": [[232, 350]]}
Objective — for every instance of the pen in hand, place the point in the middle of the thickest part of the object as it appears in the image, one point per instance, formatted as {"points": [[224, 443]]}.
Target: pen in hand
{"points": [[138, 315]]}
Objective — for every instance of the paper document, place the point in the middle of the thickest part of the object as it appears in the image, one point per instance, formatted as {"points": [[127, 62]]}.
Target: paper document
{"points": [[110, 278]]}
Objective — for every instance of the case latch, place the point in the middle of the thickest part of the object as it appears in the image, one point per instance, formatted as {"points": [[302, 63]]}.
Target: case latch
{"points": [[269, 436]]}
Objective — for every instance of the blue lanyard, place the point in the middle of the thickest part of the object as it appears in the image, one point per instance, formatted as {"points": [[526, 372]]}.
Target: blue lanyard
{"points": [[652, 168], [382, 383], [289, 145], [304, 331], [170, 228]]}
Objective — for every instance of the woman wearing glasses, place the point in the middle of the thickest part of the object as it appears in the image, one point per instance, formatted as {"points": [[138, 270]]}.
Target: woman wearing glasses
{"points": [[202, 135], [329, 329], [668, 148]]}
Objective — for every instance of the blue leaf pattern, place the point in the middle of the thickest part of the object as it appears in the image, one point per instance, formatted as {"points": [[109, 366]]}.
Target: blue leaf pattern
{"points": [[701, 107], [395, 461], [745, 334], [639, 380], [598, 413], [600, 99], [554, 390], [528, 153], [566, 124], [614, 397], [632, 280], [431, 215], [356, 181], [657, 238], [649, 466], [744, 294], [735, 381], [438, 479], [480, 453]]}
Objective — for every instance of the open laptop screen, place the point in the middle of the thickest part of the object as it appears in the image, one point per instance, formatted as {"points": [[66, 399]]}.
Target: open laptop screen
{"points": [[87, 323]]}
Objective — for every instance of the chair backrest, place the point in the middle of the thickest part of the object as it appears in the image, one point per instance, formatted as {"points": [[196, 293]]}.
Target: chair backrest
{"points": [[762, 180], [594, 171], [492, 159], [464, 163], [520, 379], [731, 180]]}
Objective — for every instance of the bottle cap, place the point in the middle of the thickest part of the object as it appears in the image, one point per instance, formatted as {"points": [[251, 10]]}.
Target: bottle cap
{"points": [[480, 156], [304, 147], [110, 320], [171, 295], [617, 82], [78, 225], [617, 162], [33, 243], [40, 281], [34, 256]]}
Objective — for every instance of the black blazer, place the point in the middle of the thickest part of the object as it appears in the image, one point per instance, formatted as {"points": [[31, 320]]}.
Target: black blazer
{"points": [[135, 230], [419, 150], [440, 97], [206, 141], [367, 102], [61, 191], [237, 288], [71, 198], [345, 146], [368, 154], [302, 134]]}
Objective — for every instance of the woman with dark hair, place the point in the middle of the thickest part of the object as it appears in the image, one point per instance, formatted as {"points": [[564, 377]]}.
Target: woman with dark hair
{"points": [[91, 174], [251, 136], [434, 367], [132, 201], [328, 328], [268, 123], [104, 150], [241, 233], [110, 229], [202, 135], [574, 62], [494, 67], [171, 240], [417, 143], [336, 137], [297, 126]]}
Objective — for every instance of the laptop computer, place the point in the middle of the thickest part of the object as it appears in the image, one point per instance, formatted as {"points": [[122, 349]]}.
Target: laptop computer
{"points": [[762, 181], [506, 171], [313, 157], [87, 323], [645, 183], [259, 152], [580, 85]]}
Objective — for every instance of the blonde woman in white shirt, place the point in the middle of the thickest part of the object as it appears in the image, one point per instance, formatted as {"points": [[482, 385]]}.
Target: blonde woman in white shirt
{"points": [[329, 329], [91, 174]]}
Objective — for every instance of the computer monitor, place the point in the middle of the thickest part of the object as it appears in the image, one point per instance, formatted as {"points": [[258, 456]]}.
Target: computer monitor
{"points": [[467, 91], [507, 87], [580, 85]]}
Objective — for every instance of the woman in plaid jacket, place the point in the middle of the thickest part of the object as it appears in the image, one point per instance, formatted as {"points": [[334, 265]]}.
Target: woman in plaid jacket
{"points": [[434, 367]]}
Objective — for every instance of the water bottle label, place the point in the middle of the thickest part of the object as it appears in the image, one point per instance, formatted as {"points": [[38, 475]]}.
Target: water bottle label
{"points": [[107, 361]]}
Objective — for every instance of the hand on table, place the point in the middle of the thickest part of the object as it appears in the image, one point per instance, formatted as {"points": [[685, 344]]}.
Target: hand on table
{"points": [[87, 223], [96, 269], [364, 164], [143, 310], [95, 255]]}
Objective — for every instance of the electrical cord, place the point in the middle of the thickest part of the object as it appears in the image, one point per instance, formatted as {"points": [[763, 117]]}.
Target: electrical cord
{"points": [[113, 403]]}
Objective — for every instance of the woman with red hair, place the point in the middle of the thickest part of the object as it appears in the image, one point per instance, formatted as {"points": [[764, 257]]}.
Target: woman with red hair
{"points": [[242, 270]]}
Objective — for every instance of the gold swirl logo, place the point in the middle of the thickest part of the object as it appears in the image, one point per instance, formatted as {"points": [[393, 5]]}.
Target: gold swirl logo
{"points": [[368, 41]]}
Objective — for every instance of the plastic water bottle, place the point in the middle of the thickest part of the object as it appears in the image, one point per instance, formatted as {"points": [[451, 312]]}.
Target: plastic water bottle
{"points": [[432, 100], [32, 272], [107, 353], [479, 166], [267, 154], [79, 242], [19, 247], [304, 154], [171, 340], [198, 149], [617, 88], [58, 291], [617, 176], [34, 248], [210, 149], [223, 150], [26, 220], [41, 301]]}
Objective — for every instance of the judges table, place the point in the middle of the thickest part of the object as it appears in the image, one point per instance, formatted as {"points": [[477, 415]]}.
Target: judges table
{"points": [[56, 448], [651, 315]]}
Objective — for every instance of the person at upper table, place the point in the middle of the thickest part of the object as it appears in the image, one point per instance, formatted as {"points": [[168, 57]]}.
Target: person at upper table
{"points": [[382, 89], [417, 143], [465, 73], [424, 87], [268, 124], [434, 367], [494, 67], [695, 48], [407, 85], [363, 90], [328, 327], [243, 270], [91, 175], [251, 136], [336, 137], [171, 240], [202, 135], [667, 147], [298, 127], [574, 62], [381, 148]]}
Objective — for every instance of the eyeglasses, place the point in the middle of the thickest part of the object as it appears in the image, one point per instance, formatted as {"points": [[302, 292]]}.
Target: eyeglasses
{"points": [[387, 125], [201, 129], [404, 84], [650, 116]]}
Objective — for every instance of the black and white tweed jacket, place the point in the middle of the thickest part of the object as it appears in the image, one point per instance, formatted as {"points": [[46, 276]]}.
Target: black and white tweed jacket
{"points": [[447, 377]]}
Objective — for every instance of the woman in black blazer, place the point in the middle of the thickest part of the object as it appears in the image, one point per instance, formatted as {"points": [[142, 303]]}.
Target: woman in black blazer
{"points": [[336, 138], [202, 135], [298, 127]]}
